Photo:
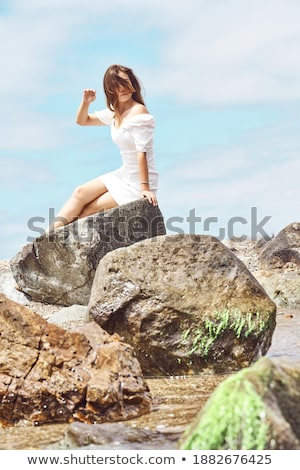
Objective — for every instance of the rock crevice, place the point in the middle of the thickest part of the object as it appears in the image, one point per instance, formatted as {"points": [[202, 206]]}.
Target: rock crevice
{"points": [[50, 375], [59, 268]]}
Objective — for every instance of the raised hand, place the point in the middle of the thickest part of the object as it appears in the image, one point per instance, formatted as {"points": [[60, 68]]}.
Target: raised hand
{"points": [[89, 95]]}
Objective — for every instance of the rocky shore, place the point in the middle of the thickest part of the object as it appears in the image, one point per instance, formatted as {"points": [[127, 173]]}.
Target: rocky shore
{"points": [[70, 318], [83, 328], [282, 285]]}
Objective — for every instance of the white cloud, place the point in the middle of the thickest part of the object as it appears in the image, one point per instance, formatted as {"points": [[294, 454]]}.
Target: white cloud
{"points": [[212, 52], [262, 171], [232, 52], [39, 62], [29, 49]]}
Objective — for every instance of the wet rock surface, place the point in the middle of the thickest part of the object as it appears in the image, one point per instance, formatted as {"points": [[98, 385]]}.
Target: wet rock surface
{"points": [[262, 410], [176, 402], [50, 375]]}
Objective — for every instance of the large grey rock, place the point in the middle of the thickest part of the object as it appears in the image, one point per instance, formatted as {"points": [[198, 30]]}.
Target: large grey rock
{"points": [[49, 375], [185, 302], [255, 409], [59, 268]]}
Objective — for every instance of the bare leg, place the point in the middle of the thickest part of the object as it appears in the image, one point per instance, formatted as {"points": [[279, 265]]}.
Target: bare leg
{"points": [[103, 202], [81, 197]]}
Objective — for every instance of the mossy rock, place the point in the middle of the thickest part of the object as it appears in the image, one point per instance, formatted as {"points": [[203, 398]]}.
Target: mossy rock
{"points": [[185, 303], [255, 409]]}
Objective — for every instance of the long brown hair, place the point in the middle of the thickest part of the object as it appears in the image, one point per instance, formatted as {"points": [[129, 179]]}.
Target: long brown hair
{"points": [[112, 81]]}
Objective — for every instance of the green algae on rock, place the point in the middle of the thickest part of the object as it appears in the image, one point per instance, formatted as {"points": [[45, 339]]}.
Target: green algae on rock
{"points": [[203, 339], [185, 303], [255, 409], [235, 402]]}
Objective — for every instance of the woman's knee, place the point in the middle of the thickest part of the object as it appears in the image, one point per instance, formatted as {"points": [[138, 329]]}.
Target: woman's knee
{"points": [[79, 193]]}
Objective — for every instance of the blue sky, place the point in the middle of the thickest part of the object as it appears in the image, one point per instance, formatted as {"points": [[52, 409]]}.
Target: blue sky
{"points": [[221, 77]]}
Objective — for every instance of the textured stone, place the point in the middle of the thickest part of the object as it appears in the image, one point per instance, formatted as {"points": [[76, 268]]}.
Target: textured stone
{"points": [[283, 251], [283, 287], [279, 267], [69, 315], [59, 268], [255, 409], [186, 303], [8, 288], [49, 375]]}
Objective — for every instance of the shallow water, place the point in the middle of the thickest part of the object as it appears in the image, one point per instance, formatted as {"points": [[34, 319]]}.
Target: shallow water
{"points": [[286, 337], [176, 401]]}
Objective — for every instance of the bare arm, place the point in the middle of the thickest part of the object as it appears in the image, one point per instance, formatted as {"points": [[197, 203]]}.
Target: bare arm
{"points": [[144, 178], [83, 117]]}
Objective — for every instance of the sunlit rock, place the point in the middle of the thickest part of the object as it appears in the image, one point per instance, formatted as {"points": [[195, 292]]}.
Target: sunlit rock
{"points": [[283, 251], [279, 270], [186, 304], [48, 375], [59, 268]]}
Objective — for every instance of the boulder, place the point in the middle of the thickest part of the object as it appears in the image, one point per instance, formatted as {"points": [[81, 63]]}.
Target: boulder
{"points": [[50, 375], [283, 251], [185, 303], [279, 267], [126, 435], [282, 287], [282, 284], [255, 409], [59, 268]]}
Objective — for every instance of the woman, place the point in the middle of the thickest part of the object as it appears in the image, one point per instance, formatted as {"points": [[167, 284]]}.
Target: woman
{"points": [[132, 128]]}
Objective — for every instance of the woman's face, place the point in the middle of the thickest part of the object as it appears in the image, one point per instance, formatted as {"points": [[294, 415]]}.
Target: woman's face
{"points": [[123, 94]]}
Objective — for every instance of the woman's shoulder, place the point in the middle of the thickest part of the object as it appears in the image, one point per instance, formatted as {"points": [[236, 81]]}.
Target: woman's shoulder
{"points": [[137, 109], [140, 114]]}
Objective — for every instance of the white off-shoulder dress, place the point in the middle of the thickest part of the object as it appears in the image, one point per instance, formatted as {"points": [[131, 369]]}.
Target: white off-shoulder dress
{"points": [[134, 135]]}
